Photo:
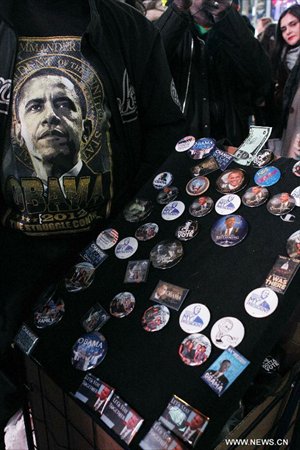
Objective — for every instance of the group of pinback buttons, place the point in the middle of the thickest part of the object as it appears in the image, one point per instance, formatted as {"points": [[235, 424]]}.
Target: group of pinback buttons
{"points": [[227, 331]]}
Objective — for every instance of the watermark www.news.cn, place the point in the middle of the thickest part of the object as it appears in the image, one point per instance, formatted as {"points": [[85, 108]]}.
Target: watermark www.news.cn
{"points": [[256, 442]]}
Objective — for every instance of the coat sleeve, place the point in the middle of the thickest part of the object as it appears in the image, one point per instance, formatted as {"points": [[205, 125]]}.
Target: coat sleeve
{"points": [[172, 25], [160, 112], [231, 40]]}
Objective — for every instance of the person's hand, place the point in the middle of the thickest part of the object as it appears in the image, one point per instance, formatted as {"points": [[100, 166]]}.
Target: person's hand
{"points": [[207, 12]]}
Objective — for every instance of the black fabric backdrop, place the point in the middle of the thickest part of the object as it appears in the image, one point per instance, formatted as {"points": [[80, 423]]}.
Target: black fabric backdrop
{"points": [[145, 368]]}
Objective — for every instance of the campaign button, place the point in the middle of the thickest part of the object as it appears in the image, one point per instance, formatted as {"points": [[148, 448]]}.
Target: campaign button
{"points": [[201, 206], [146, 231], [227, 204], [126, 248], [49, 313], [122, 305], [107, 238], [167, 194], [137, 210], [296, 169], [80, 277], [261, 302], [296, 194], [89, 351], [187, 230], [263, 158], [281, 204], [231, 181], [202, 148], [166, 254], [197, 186], [155, 318], [194, 318], [195, 349], [293, 245], [267, 176], [226, 332], [185, 143], [255, 196], [173, 210], [229, 230], [162, 180]]}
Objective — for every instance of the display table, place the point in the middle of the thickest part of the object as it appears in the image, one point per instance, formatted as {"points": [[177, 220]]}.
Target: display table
{"points": [[145, 368]]}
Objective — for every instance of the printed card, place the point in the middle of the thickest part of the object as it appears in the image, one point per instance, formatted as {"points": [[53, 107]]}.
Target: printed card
{"points": [[94, 255], [183, 420], [94, 393], [224, 370], [122, 419], [160, 438], [169, 294], [95, 318], [282, 274]]}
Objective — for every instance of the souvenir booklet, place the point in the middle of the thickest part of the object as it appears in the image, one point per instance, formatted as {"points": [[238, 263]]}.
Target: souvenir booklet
{"points": [[160, 438], [282, 274], [95, 318], [122, 419], [224, 370], [94, 393], [183, 420]]}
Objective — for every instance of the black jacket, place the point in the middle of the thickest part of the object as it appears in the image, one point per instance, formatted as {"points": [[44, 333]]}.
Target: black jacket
{"points": [[120, 41], [218, 79]]}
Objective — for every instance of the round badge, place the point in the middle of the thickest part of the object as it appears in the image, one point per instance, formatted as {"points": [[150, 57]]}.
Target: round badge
{"points": [[195, 349], [89, 351], [229, 230], [263, 158], [281, 204], [296, 169], [138, 210], [194, 318], [296, 194], [201, 206], [167, 194], [255, 196], [197, 185], [166, 254], [231, 181], [226, 332], [185, 143], [126, 248], [270, 364], [162, 180], [267, 176], [107, 238], [146, 231], [173, 210], [227, 204], [187, 230], [155, 318], [202, 148], [49, 313], [122, 305], [261, 302], [293, 245], [80, 277]]}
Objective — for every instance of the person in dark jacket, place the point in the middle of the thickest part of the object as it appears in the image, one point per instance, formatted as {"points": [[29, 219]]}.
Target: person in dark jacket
{"points": [[220, 70], [114, 64]]}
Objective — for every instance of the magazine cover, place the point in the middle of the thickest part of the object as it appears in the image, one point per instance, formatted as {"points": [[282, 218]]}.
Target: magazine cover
{"points": [[94, 393], [224, 370]]}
